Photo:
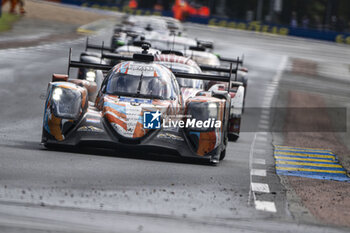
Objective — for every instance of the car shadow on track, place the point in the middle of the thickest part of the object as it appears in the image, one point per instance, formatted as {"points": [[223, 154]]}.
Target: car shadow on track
{"points": [[106, 152], [123, 153], [20, 144]]}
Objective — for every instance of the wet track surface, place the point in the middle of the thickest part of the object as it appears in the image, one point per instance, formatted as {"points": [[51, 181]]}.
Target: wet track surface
{"points": [[107, 190]]}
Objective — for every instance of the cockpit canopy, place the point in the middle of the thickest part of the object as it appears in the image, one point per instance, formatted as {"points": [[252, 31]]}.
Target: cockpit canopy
{"points": [[143, 80], [170, 42], [183, 65], [184, 68], [203, 58], [145, 23]]}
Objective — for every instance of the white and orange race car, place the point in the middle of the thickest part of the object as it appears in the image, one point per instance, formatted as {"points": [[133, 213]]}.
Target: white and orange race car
{"points": [[176, 61], [140, 105]]}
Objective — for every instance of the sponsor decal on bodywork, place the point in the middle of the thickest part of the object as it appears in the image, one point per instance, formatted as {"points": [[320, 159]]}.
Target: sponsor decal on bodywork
{"points": [[90, 129], [135, 100], [170, 136]]}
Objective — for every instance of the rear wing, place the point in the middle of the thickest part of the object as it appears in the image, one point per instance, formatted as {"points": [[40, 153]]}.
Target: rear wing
{"points": [[218, 78], [98, 47], [129, 33], [224, 69], [205, 77], [117, 57], [238, 60], [106, 48], [209, 77], [140, 43], [205, 44], [215, 68], [78, 64]]}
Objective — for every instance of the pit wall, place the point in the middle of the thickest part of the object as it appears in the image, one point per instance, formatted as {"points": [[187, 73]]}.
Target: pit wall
{"points": [[342, 38]]}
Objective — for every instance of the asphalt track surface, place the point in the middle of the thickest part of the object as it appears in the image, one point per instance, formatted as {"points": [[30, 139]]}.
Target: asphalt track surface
{"points": [[110, 191]]}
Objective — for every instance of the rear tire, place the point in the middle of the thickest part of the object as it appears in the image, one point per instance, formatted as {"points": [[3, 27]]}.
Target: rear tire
{"points": [[233, 137], [48, 146], [222, 154]]}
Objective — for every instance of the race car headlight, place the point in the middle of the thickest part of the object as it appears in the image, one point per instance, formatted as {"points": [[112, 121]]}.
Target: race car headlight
{"points": [[57, 92], [203, 116], [91, 76], [66, 103], [212, 110]]}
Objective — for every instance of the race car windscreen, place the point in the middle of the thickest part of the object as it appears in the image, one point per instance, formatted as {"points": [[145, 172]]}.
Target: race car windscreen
{"points": [[141, 23], [140, 86], [209, 61], [190, 83], [203, 58], [168, 43]]}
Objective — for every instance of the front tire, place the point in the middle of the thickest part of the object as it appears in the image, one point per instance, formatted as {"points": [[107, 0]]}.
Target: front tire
{"points": [[49, 146], [222, 154]]}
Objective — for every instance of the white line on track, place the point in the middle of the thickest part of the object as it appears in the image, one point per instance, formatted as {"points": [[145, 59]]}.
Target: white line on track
{"points": [[265, 117], [260, 187], [267, 100], [265, 206], [281, 68], [260, 151], [258, 172], [262, 134], [262, 139], [270, 90], [259, 161], [264, 122], [265, 111], [251, 157], [264, 127]]}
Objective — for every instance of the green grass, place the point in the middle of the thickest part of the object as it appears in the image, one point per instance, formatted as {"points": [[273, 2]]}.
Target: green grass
{"points": [[7, 20]]}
